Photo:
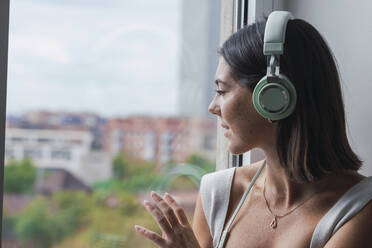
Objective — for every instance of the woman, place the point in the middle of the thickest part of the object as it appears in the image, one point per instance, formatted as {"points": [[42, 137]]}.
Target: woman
{"points": [[309, 166]]}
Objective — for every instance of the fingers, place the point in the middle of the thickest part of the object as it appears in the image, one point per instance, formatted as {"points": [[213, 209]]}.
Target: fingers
{"points": [[166, 210], [172, 219], [159, 217], [154, 237], [178, 210]]}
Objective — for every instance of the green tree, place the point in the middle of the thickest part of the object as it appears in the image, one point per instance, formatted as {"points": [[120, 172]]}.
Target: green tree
{"points": [[47, 221], [204, 163], [34, 224], [73, 207], [19, 176], [125, 166], [119, 166], [137, 166]]}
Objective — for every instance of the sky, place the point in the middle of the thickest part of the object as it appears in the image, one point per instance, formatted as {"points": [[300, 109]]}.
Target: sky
{"points": [[113, 58]]}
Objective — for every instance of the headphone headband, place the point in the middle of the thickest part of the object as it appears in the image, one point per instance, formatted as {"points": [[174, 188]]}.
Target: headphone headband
{"points": [[276, 26], [274, 97]]}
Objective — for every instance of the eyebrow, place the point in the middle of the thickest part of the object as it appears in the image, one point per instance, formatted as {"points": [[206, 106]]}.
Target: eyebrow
{"points": [[217, 81]]}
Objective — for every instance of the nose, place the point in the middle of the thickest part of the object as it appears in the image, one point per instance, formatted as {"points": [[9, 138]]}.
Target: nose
{"points": [[214, 108]]}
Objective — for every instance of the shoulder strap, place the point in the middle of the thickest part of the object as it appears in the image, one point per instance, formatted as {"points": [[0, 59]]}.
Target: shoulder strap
{"points": [[345, 208], [215, 194], [222, 241]]}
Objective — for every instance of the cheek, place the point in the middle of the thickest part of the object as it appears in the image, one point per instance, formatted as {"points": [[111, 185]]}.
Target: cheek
{"points": [[246, 122]]}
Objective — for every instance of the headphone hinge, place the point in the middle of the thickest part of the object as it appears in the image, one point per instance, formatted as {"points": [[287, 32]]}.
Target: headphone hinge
{"points": [[273, 62]]}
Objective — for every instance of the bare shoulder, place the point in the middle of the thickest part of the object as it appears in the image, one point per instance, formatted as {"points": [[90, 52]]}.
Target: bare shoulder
{"points": [[242, 178], [356, 232], [245, 174]]}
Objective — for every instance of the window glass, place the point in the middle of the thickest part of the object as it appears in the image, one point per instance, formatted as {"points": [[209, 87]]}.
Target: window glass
{"points": [[107, 100]]}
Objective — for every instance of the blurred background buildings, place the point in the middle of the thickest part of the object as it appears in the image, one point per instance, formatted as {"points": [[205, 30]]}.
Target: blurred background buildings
{"points": [[85, 144]]}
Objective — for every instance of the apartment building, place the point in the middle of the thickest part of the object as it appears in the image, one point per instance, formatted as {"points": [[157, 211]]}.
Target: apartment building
{"points": [[64, 149], [160, 139]]}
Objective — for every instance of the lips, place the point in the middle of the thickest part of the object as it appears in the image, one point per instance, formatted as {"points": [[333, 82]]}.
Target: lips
{"points": [[224, 126]]}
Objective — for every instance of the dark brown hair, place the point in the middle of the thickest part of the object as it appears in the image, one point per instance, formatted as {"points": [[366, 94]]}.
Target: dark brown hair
{"points": [[312, 141]]}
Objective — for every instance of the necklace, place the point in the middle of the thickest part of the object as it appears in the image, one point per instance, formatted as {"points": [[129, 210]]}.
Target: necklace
{"points": [[274, 222]]}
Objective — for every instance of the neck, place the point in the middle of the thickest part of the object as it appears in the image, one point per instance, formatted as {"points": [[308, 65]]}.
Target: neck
{"points": [[280, 191]]}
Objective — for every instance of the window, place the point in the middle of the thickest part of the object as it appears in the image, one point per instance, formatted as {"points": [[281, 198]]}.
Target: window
{"points": [[96, 164], [61, 154], [106, 101], [43, 140], [32, 153]]}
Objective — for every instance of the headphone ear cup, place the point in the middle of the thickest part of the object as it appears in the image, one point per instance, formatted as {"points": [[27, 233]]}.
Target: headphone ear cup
{"points": [[274, 100]]}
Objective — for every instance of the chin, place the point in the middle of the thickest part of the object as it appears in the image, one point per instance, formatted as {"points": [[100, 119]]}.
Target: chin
{"points": [[236, 149]]}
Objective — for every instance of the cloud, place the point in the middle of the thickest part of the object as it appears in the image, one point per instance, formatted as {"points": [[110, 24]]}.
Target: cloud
{"points": [[38, 46], [116, 59]]}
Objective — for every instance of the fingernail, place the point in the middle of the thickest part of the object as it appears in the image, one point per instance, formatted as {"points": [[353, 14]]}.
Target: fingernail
{"points": [[168, 196], [155, 195], [138, 228]]}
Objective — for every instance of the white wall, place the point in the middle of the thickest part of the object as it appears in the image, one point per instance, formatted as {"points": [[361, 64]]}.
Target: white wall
{"points": [[347, 27]]}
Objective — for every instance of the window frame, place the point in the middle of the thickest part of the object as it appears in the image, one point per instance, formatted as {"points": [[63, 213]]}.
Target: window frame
{"points": [[4, 40]]}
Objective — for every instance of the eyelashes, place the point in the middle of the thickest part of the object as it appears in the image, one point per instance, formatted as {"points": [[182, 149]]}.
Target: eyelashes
{"points": [[220, 92]]}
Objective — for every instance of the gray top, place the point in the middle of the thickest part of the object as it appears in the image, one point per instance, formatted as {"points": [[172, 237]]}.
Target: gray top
{"points": [[344, 209], [215, 194]]}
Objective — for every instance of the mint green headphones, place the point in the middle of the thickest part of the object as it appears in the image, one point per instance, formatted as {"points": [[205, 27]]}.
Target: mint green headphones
{"points": [[274, 96]]}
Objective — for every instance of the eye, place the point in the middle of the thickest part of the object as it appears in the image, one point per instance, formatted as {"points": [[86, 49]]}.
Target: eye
{"points": [[220, 92]]}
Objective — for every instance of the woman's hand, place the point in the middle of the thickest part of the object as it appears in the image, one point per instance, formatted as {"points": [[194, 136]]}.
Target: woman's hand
{"points": [[172, 220]]}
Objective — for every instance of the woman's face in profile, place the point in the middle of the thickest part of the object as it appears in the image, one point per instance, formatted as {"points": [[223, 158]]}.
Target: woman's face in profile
{"points": [[243, 127]]}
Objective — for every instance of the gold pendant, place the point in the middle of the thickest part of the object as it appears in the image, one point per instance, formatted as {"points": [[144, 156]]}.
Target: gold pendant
{"points": [[273, 223]]}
